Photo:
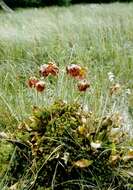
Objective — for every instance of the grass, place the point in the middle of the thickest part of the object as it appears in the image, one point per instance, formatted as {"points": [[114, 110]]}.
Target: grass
{"points": [[99, 37]]}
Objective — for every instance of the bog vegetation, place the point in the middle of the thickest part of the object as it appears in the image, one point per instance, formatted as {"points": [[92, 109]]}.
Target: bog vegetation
{"points": [[66, 98]]}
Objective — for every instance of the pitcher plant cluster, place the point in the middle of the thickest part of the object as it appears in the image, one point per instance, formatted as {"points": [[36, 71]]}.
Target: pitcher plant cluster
{"points": [[51, 69]]}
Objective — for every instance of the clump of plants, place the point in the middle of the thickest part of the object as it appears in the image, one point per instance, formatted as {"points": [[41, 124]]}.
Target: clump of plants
{"points": [[64, 146], [74, 71]]}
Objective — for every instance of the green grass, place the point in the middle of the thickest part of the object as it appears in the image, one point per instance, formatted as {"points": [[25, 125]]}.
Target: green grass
{"points": [[99, 37]]}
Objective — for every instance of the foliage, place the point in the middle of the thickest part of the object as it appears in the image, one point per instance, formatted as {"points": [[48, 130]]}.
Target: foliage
{"points": [[70, 148], [34, 3], [22, 3], [27, 3], [63, 2]]}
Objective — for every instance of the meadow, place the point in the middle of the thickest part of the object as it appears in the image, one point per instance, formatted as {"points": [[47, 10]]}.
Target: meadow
{"points": [[97, 37]]}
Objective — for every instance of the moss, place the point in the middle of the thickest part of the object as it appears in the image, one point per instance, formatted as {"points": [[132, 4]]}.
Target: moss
{"points": [[67, 144], [6, 151]]}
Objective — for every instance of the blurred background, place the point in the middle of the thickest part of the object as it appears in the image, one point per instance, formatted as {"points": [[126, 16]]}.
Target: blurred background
{"points": [[37, 3]]}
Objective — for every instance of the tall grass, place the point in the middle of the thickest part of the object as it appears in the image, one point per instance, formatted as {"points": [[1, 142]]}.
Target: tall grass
{"points": [[96, 36]]}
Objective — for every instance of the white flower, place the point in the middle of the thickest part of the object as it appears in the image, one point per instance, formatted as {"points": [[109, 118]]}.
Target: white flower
{"points": [[111, 76], [128, 91], [85, 108], [95, 145]]}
